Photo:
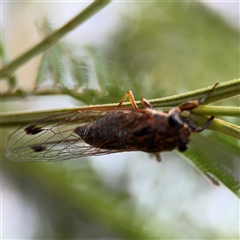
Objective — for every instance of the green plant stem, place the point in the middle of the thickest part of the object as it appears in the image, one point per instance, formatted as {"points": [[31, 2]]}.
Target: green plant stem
{"points": [[49, 41], [223, 91], [19, 118], [217, 111]]}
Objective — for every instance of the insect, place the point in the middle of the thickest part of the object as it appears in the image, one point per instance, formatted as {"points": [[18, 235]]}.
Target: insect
{"points": [[103, 130]]}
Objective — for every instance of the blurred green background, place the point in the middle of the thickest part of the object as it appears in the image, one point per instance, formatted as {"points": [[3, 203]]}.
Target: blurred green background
{"points": [[156, 49]]}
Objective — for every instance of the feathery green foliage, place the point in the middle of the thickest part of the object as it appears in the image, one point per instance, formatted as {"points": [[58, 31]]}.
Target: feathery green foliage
{"points": [[164, 50]]}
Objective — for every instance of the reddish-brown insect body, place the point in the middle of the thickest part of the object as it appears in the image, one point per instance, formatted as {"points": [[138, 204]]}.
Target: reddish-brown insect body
{"points": [[96, 131], [122, 131], [157, 132]]}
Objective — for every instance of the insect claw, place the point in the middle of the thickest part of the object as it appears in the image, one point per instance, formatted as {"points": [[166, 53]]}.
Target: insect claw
{"points": [[207, 95], [206, 124]]}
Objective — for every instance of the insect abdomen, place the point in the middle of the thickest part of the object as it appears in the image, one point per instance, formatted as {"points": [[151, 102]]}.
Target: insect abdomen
{"points": [[108, 132]]}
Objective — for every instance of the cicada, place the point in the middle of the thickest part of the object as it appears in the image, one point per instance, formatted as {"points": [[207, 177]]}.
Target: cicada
{"points": [[97, 131]]}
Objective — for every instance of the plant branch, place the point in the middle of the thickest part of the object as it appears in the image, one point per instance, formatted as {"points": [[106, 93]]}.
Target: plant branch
{"points": [[217, 111], [224, 90], [49, 41]]}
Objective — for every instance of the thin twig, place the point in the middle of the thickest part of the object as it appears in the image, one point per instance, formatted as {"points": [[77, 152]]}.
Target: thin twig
{"points": [[49, 41]]}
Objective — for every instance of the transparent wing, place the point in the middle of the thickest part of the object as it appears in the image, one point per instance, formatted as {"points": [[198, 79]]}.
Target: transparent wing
{"points": [[53, 138]]}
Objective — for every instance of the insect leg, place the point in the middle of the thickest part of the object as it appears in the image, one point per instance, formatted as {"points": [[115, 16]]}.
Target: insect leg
{"points": [[206, 96], [174, 114], [158, 157], [145, 103], [196, 128], [194, 104], [129, 94]]}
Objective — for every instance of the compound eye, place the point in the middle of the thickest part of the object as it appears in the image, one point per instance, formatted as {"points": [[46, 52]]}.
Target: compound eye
{"points": [[182, 148], [173, 122]]}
